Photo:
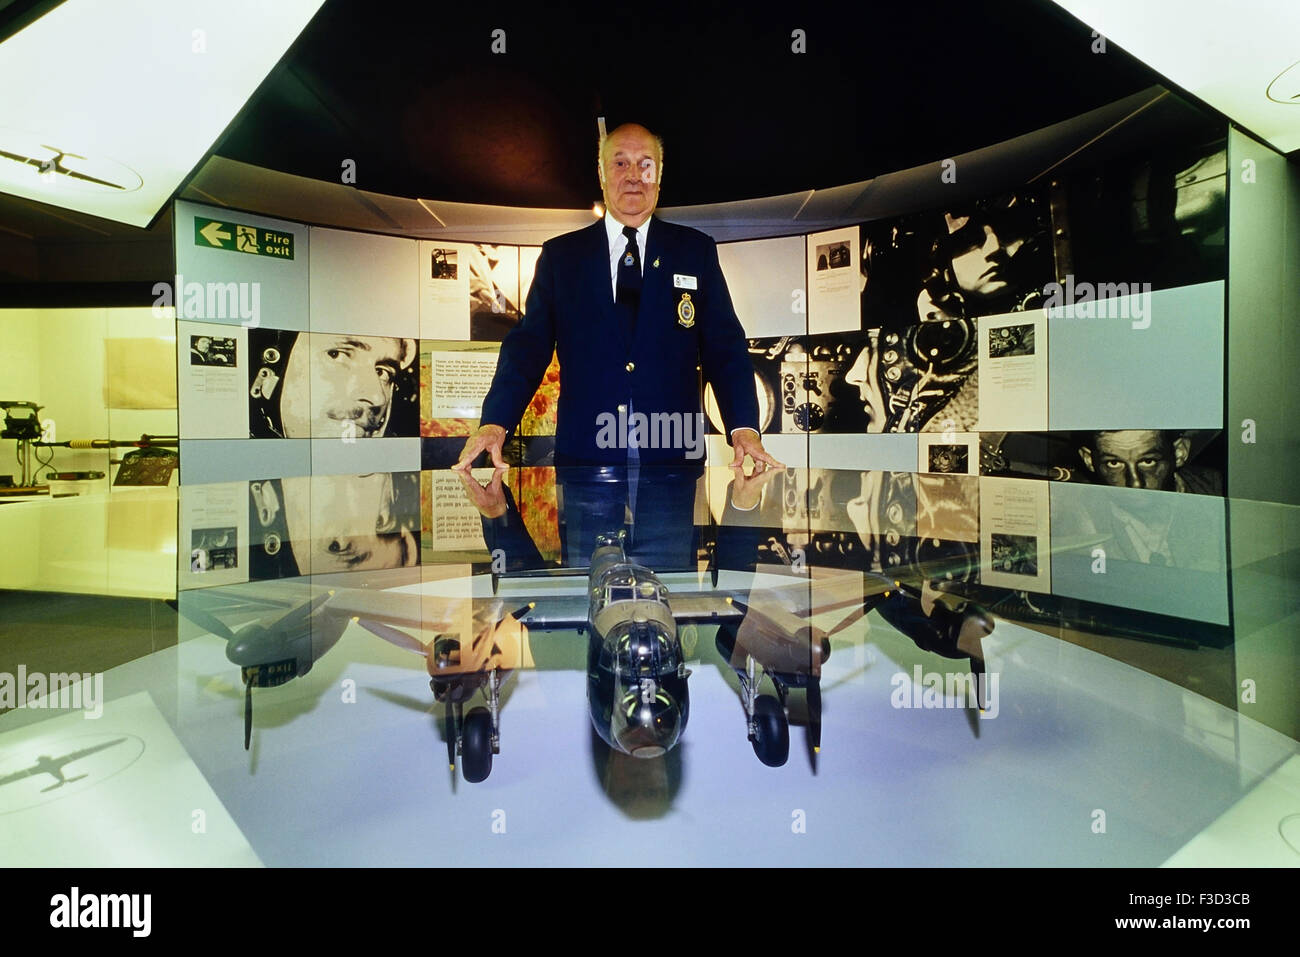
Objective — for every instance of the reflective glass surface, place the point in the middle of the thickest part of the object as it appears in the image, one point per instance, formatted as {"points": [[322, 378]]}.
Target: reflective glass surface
{"points": [[595, 666]]}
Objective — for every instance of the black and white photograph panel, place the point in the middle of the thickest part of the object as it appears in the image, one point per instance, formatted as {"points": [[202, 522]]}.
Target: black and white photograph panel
{"points": [[779, 362], [494, 303], [926, 278], [325, 385], [442, 263], [909, 377], [949, 459], [1008, 341], [794, 377], [983, 258], [1159, 219], [1166, 460], [212, 548], [1015, 554], [213, 351], [987, 258], [312, 525], [833, 256]]}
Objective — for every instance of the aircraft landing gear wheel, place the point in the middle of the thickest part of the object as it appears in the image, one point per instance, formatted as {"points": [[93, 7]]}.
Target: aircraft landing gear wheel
{"points": [[771, 740], [476, 746]]}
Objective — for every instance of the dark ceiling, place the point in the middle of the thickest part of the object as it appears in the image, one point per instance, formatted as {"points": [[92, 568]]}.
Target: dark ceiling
{"points": [[419, 101]]}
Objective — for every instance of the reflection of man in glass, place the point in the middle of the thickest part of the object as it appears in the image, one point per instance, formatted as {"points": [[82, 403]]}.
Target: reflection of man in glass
{"points": [[336, 523], [1146, 458], [322, 385]]}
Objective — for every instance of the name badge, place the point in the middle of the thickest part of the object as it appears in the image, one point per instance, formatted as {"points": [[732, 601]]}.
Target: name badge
{"points": [[684, 282]]}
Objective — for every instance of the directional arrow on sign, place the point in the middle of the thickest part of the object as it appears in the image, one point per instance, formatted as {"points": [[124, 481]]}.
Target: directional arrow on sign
{"points": [[213, 233]]}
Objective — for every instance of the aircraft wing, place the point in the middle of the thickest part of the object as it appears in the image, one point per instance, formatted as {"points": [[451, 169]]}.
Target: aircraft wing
{"points": [[59, 762], [85, 752], [86, 177], [19, 775]]}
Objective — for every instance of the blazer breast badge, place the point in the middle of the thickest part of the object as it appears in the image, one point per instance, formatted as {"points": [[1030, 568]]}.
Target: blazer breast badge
{"points": [[685, 311]]}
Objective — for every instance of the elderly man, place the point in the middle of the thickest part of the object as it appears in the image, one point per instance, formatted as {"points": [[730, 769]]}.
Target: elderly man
{"points": [[632, 305]]}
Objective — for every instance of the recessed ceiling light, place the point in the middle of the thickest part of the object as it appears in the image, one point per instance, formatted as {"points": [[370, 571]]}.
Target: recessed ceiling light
{"points": [[1241, 59], [109, 106]]}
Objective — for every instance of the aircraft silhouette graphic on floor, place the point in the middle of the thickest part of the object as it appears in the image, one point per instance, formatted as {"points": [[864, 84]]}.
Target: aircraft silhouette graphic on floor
{"points": [[54, 766]]}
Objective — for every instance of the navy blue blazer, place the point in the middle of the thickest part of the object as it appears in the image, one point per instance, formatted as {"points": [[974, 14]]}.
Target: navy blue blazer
{"points": [[603, 364]]}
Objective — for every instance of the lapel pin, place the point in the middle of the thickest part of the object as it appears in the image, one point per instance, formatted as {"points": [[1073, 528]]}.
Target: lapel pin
{"points": [[656, 263]]}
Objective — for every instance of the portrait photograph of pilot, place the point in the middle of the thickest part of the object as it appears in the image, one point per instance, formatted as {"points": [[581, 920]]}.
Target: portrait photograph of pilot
{"points": [[1155, 459], [312, 525], [925, 279], [327, 385], [987, 258]]}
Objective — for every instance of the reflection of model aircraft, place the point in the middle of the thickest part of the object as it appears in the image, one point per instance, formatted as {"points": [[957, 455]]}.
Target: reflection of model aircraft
{"points": [[790, 654], [637, 694], [54, 766], [270, 653], [459, 666], [638, 698]]}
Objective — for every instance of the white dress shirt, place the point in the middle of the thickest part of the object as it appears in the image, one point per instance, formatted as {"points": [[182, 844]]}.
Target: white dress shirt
{"points": [[618, 246]]}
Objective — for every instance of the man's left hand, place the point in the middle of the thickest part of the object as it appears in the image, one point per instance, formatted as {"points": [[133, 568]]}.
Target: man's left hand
{"points": [[748, 443]]}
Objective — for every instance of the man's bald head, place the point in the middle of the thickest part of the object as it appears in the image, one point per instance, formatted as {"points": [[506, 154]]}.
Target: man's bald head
{"points": [[631, 168], [630, 128]]}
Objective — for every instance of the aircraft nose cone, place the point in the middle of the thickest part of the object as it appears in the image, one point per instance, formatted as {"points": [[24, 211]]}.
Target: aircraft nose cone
{"points": [[249, 647]]}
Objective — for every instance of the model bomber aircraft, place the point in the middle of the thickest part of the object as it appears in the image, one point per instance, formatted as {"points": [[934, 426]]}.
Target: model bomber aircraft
{"points": [[637, 688]]}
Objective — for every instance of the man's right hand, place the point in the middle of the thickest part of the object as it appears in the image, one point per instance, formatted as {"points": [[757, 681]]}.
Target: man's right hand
{"points": [[488, 438]]}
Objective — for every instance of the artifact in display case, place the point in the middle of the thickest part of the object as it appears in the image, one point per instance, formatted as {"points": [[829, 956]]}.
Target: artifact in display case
{"points": [[639, 635]]}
